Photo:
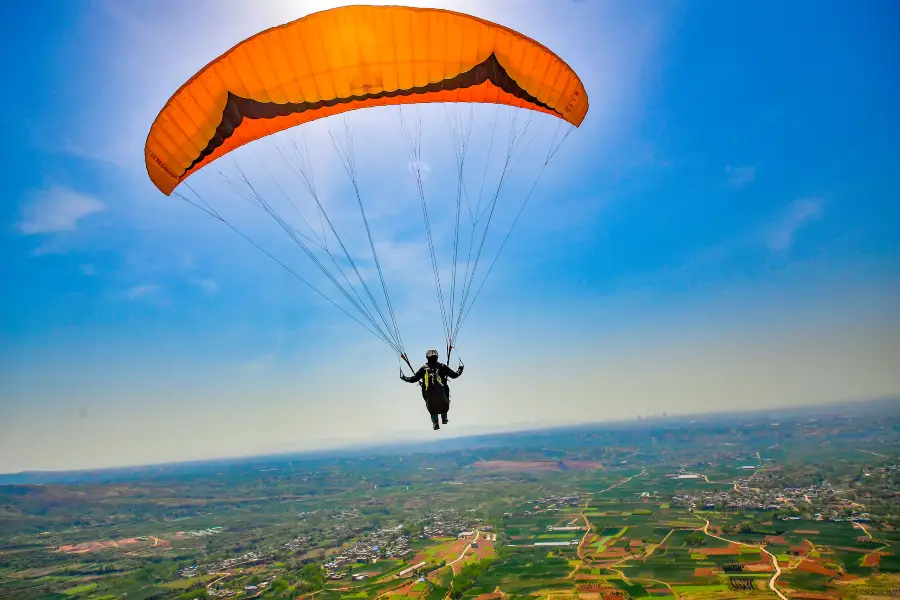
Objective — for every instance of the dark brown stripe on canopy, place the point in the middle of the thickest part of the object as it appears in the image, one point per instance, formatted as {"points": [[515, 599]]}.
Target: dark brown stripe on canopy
{"points": [[237, 108]]}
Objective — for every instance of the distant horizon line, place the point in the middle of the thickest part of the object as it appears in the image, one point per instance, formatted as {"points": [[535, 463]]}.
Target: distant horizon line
{"points": [[409, 443]]}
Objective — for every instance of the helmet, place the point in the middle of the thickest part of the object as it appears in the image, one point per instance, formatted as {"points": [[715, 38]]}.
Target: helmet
{"points": [[431, 353]]}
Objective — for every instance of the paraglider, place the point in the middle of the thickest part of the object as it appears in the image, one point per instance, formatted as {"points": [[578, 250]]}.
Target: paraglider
{"points": [[359, 57], [432, 376]]}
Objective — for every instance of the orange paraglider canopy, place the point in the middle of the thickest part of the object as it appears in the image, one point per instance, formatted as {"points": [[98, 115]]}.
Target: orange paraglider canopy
{"points": [[345, 59]]}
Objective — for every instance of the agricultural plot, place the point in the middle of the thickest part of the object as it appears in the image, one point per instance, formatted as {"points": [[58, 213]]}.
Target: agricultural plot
{"points": [[523, 573], [183, 584], [381, 567], [602, 481], [80, 590], [481, 550], [671, 567], [525, 531], [410, 591], [695, 591], [381, 581], [828, 533], [803, 581], [890, 563], [445, 550], [654, 546], [626, 530], [348, 590], [667, 487]]}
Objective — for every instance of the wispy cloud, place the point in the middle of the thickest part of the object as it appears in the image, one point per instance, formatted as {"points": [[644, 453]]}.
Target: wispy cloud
{"points": [[67, 146], [779, 236], [740, 176], [56, 209], [142, 291], [776, 236]]}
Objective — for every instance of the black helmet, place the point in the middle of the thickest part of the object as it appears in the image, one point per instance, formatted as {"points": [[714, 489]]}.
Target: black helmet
{"points": [[431, 354]]}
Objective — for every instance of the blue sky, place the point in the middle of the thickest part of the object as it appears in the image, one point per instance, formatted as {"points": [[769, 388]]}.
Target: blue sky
{"points": [[722, 232]]}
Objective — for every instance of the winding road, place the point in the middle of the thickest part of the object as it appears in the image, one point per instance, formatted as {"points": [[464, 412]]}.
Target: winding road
{"points": [[463, 554], [587, 521], [777, 573]]}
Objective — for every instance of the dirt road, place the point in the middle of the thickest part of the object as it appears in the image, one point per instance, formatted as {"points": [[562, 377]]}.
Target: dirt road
{"points": [[587, 521], [774, 577], [463, 554]]}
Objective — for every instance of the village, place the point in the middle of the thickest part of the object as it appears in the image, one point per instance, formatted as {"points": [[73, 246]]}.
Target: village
{"points": [[394, 542], [811, 502], [221, 565], [388, 542], [548, 503]]}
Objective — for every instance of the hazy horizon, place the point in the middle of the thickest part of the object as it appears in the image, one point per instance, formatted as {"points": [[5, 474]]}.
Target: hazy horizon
{"points": [[416, 440]]}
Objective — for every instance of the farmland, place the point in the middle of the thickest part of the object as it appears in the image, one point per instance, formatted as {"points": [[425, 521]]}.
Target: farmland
{"points": [[700, 511]]}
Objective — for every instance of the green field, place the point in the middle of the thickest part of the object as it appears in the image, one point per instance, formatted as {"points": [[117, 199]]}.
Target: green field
{"points": [[80, 590], [186, 583]]}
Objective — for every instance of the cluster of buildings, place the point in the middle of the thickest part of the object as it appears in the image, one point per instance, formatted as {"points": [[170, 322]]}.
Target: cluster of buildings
{"points": [[387, 542], [221, 565], [337, 534], [813, 502], [345, 514], [296, 544], [394, 542], [550, 503], [711, 500], [252, 590], [882, 482], [443, 523], [337, 513], [201, 532]]}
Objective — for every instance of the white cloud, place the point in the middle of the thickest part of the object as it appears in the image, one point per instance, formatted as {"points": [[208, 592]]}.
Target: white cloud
{"points": [[776, 236], [740, 176], [142, 291], [52, 246], [55, 209], [780, 235]]}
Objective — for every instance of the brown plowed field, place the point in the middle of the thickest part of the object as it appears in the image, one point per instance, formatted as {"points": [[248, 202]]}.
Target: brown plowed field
{"points": [[731, 549], [872, 560], [811, 566], [485, 549]]}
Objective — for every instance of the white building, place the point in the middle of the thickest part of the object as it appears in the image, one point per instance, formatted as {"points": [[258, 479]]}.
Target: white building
{"points": [[409, 570]]}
